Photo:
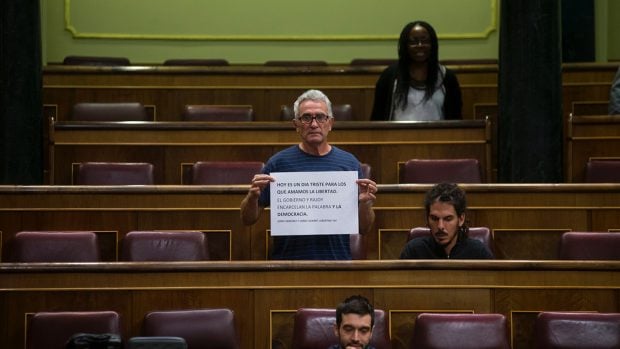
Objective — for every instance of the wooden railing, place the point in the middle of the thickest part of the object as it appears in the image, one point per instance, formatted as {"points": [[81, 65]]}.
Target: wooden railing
{"points": [[526, 220], [167, 145], [168, 89]]}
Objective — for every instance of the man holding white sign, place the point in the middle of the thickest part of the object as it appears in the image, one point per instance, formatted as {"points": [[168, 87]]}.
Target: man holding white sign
{"points": [[316, 211]]}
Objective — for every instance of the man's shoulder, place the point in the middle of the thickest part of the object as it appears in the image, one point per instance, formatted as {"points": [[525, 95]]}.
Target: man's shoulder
{"points": [[471, 242], [419, 248], [422, 241], [342, 153], [338, 150], [474, 248]]}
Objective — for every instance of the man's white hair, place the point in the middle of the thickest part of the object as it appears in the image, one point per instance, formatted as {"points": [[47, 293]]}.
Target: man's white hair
{"points": [[313, 95]]}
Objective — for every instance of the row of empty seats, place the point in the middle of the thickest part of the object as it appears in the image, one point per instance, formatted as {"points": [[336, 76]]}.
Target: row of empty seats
{"points": [[422, 171], [573, 245], [135, 111], [201, 172], [84, 246], [141, 173], [140, 246], [122, 61], [559, 330], [597, 170], [198, 328], [136, 246], [313, 328]]}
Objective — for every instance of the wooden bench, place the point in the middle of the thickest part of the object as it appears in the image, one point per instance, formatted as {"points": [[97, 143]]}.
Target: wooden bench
{"points": [[267, 88], [167, 145], [526, 219], [265, 295]]}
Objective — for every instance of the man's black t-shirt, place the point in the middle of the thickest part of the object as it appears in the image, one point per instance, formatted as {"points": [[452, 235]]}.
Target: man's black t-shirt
{"points": [[427, 248]]}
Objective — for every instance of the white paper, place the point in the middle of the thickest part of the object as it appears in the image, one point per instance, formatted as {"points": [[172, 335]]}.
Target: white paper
{"points": [[314, 203]]}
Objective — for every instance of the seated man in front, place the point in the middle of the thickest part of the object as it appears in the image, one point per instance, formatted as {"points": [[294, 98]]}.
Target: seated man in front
{"points": [[355, 320], [445, 207]]}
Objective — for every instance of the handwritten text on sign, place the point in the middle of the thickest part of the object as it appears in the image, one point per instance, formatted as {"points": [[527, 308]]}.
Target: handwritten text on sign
{"points": [[314, 203]]}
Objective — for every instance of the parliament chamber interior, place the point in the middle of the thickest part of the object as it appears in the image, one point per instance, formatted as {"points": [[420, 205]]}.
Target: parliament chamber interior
{"points": [[172, 175], [152, 121]]}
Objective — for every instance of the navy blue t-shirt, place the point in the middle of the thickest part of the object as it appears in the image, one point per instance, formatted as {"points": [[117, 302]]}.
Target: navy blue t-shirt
{"points": [[310, 247]]}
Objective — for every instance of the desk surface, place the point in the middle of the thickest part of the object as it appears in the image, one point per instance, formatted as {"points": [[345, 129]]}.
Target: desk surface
{"points": [[567, 195]]}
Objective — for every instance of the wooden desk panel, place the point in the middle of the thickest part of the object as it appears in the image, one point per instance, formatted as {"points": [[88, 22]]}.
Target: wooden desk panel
{"points": [[168, 145], [526, 220], [168, 101], [266, 88], [596, 136], [264, 296], [233, 75]]}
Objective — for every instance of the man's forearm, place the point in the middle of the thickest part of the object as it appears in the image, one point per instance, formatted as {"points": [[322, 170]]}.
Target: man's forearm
{"points": [[366, 217], [250, 210]]}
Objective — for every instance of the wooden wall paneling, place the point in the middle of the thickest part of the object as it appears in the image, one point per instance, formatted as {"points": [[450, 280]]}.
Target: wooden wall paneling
{"points": [[590, 107], [596, 91], [268, 87], [217, 215], [168, 145], [264, 295], [25, 303], [402, 324], [526, 219], [106, 224], [406, 303], [66, 156], [605, 220], [392, 241], [524, 227], [169, 101], [108, 245], [588, 72], [10, 221], [523, 305], [176, 156], [527, 243], [259, 237], [226, 236], [534, 242], [589, 137], [240, 301]]}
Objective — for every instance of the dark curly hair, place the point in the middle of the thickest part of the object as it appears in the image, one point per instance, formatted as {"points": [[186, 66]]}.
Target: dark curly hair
{"points": [[448, 193]]}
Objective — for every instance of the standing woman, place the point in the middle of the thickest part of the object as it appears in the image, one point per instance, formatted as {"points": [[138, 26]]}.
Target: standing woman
{"points": [[417, 87]]}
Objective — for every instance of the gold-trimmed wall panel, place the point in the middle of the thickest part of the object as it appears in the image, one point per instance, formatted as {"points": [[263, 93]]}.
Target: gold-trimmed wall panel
{"points": [[195, 21]]}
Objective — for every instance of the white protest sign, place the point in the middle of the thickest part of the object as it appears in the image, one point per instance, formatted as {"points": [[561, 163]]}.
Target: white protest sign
{"points": [[314, 203]]}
